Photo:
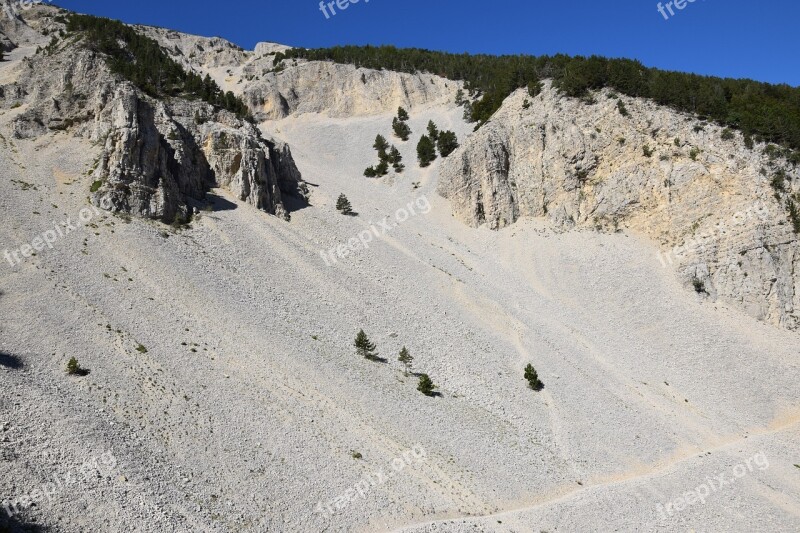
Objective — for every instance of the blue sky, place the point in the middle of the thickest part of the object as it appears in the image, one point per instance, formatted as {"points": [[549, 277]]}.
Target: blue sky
{"points": [[736, 38]]}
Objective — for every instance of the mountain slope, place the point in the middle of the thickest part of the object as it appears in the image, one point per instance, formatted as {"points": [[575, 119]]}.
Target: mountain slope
{"points": [[223, 380]]}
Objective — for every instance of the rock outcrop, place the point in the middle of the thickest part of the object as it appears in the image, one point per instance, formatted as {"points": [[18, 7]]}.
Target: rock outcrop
{"points": [[704, 196], [158, 157], [341, 90], [294, 87]]}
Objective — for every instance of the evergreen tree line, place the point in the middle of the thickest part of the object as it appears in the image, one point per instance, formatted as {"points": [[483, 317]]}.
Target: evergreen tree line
{"points": [[142, 61], [768, 112]]}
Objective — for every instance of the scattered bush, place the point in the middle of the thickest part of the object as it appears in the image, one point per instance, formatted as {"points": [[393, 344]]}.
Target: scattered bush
{"points": [[699, 286], [343, 205], [405, 358], [74, 369], [426, 385], [694, 153], [778, 181], [364, 347], [794, 214], [727, 134], [648, 152], [533, 378], [622, 109]]}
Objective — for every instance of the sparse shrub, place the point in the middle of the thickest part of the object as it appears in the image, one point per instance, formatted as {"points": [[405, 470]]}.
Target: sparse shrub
{"points": [[96, 186], [748, 142], [622, 109], [460, 97], [364, 347], [699, 286], [648, 152], [526, 104], [533, 378], [771, 151], [75, 369], [727, 134], [694, 153], [343, 205], [141, 349], [405, 358], [778, 181], [426, 385], [794, 214], [356, 455]]}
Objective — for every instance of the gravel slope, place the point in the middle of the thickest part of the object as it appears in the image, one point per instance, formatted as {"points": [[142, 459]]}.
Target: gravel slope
{"points": [[249, 403]]}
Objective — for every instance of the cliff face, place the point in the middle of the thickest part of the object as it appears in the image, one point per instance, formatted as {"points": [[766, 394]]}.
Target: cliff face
{"points": [[158, 156], [704, 196], [299, 86]]}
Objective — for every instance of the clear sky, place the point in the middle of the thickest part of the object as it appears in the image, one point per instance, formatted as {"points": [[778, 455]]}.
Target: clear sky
{"points": [[736, 38]]}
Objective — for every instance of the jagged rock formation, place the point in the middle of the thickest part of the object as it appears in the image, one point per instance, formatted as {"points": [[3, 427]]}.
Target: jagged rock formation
{"points": [[655, 171], [158, 157]]}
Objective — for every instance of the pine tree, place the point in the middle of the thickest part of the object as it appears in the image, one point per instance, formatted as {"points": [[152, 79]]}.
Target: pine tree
{"points": [[364, 348], [402, 114], [401, 129], [396, 159], [447, 142], [433, 131], [405, 358], [73, 367], [460, 97], [426, 151], [382, 168], [381, 145], [533, 378], [426, 385], [343, 205], [370, 172]]}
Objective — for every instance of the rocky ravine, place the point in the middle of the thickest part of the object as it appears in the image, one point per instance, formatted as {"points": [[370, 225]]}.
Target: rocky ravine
{"points": [[708, 201], [158, 157]]}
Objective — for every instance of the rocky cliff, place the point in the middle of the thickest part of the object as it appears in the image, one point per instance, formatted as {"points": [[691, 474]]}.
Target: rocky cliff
{"points": [[292, 87], [609, 162], [158, 157]]}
